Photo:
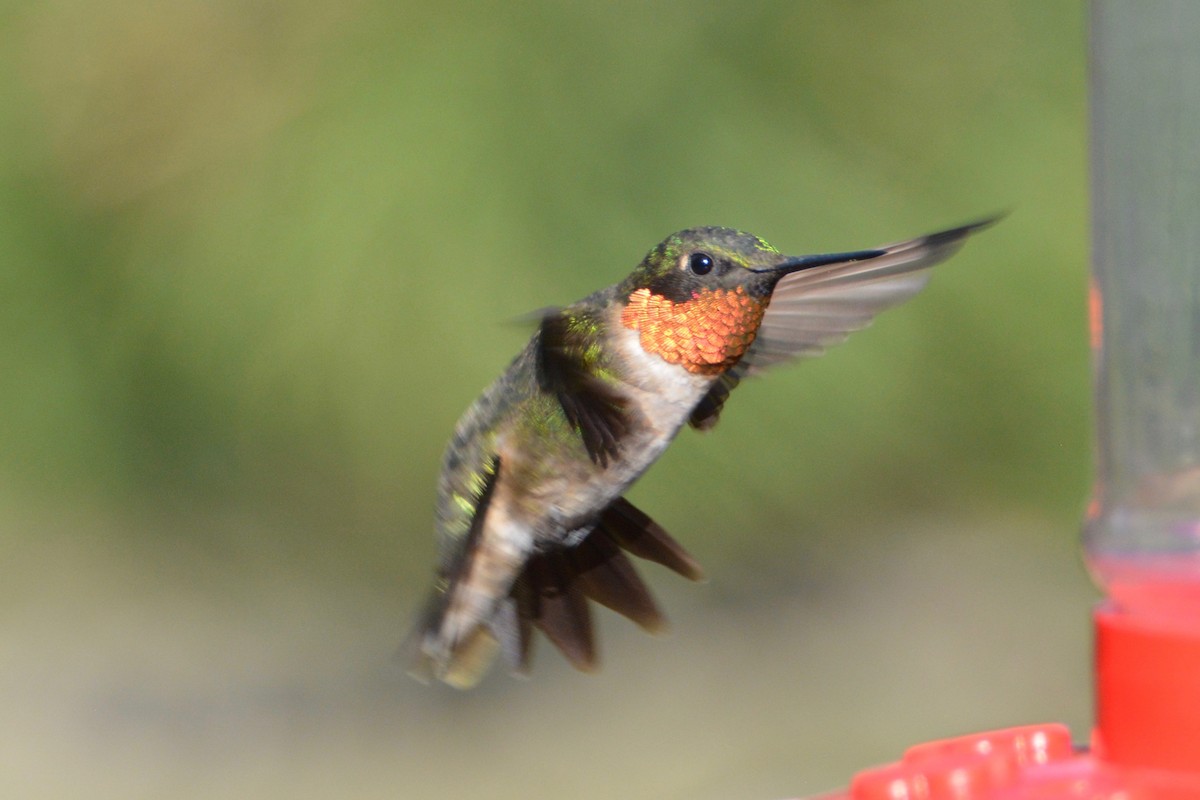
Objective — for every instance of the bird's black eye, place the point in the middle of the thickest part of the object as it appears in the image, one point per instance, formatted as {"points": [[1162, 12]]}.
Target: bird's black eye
{"points": [[700, 263]]}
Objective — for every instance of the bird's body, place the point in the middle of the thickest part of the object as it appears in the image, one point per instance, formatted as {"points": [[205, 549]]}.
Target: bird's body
{"points": [[530, 515]]}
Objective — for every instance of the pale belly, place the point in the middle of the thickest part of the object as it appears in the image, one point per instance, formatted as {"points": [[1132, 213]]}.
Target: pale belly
{"points": [[661, 397]]}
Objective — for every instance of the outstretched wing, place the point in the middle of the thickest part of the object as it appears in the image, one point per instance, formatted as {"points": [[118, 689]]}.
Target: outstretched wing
{"points": [[814, 309]]}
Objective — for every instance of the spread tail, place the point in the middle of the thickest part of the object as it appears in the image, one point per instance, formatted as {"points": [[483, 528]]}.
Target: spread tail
{"points": [[551, 594]]}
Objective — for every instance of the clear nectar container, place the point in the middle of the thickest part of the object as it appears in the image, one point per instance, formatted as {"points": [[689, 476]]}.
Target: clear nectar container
{"points": [[1142, 533]]}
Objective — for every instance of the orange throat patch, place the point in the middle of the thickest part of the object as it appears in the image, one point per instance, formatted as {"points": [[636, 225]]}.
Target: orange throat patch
{"points": [[705, 335]]}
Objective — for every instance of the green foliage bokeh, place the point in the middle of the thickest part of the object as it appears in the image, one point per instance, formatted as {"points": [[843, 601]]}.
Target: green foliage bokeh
{"points": [[265, 255], [256, 258]]}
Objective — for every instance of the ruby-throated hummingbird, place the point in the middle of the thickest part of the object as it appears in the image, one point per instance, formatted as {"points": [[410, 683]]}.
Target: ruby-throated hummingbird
{"points": [[530, 514]]}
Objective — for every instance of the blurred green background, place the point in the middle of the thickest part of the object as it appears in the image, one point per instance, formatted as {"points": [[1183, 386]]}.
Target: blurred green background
{"points": [[256, 258]]}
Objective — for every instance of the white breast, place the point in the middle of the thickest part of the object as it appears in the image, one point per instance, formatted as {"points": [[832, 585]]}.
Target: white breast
{"points": [[665, 393]]}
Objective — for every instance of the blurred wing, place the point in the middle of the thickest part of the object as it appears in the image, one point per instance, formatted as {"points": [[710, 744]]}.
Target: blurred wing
{"points": [[817, 308], [450, 641], [814, 309]]}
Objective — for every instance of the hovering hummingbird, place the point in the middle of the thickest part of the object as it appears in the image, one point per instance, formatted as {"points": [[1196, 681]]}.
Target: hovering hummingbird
{"points": [[530, 514]]}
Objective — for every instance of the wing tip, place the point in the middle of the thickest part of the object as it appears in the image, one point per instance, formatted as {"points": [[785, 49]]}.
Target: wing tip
{"points": [[961, 232]]}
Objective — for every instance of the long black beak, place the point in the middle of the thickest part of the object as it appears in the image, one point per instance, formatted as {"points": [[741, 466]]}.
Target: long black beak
{"points": [[808, 262]]}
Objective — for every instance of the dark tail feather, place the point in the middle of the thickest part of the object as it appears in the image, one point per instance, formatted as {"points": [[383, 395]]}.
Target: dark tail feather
{"points": [[643, 537], [607, 576], [551, 594], [552, 591], [561, 611]]}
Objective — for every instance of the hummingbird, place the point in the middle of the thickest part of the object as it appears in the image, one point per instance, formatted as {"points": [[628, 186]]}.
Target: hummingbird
{"points": [[531, 516]]}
